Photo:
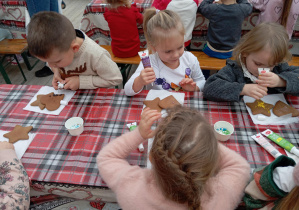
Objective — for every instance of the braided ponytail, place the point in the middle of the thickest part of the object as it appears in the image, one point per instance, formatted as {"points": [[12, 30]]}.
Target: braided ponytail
{"points": [[184, 156]]}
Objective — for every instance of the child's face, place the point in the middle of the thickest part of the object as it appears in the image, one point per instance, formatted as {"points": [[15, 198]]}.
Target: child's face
{"points": [[260, 59], [59, 59], [170, 50]]}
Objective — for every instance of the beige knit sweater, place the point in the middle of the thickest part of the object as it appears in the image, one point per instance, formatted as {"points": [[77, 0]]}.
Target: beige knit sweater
{"points": [[94, 67]]}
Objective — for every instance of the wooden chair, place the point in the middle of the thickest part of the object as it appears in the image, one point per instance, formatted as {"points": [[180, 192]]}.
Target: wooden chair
{"points": [[11, 47]]}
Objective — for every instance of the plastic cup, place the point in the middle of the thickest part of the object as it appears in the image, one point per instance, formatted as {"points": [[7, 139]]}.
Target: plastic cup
{"points": [[75, 126], [223, 130]]}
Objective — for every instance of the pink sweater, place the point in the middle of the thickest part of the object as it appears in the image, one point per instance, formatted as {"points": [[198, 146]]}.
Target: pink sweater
{"points": [[136, 187]]}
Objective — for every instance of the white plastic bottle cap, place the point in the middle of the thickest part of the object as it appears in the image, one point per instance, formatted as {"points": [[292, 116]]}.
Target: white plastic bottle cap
{"points": [[140, 148], [295, 151], [63, 102], [261, 117]]}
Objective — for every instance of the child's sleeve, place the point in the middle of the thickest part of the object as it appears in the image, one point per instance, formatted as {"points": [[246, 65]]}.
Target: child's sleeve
{"points": [[138, 15], [227, 187], [14, 185], [111, 160], [291, 75], [197, 74], [129, 85], [108, 73], [207, 8], [245, 6], [223, 86]]}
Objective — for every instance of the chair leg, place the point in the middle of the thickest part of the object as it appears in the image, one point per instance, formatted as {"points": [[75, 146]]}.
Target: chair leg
{"points": [[124, 73], [27, 63], [20, 69], [5, 76]]}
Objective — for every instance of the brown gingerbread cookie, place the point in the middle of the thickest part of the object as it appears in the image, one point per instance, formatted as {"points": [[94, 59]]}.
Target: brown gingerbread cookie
{"points": [[168, 102], [18, 133], [38, 103], [51, 101], [153, 104], [281, 108], [260, 107]]}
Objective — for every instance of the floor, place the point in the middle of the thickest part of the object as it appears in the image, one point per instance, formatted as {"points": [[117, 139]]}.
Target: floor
{"points": [[74, 11]]}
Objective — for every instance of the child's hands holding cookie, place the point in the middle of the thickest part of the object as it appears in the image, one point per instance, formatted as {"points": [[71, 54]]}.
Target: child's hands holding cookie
{"points": [[188, 84], [148, 117], [270, 79], [72, 83]]}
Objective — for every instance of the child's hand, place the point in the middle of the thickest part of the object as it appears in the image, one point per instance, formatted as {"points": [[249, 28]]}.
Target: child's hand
{"points": [[270, 79], [254, 90], [6, 145], [188, 84], [56, 78], [72, 83], [148, 117], [147, 76]]}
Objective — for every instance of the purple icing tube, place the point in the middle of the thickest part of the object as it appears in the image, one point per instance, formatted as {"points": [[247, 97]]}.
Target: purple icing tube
{"points": [[145, 58]]}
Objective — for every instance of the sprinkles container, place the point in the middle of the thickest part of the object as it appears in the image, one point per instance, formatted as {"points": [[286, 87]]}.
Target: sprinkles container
{"points": [[75, 126], [223, 130]]}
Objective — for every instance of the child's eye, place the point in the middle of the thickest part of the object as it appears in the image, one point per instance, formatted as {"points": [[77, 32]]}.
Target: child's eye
{"points": [[167, 51]]}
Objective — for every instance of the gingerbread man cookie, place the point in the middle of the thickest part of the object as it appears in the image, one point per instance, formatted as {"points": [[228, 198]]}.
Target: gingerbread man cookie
{"points": [[38, 103], [168, 102], [51, 101], [18, 133]]}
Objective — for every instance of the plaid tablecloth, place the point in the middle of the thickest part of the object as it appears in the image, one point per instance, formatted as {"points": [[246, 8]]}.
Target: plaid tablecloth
{"points": [[56, 157]]}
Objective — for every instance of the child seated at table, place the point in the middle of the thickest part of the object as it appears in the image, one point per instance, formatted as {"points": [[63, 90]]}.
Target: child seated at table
{"points": [[14, 182], [265, 46], [275, 186], [172, 68], [77, 61], [122, 18], [190, 169], [225, 25]]}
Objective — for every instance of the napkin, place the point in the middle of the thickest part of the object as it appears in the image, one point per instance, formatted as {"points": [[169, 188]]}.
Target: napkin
{"points": [[21, 145], [152, 94], [273, 119], [68, 94]]}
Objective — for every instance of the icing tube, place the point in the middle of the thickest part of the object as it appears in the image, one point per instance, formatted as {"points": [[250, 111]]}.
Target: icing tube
{"points": [[281, 141], [132, 126], [266, 145], [145, 59], [263, 70]]}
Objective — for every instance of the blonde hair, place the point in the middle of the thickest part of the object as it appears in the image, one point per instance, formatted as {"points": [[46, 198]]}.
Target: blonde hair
{"points": [[264, 35], [159, 25], [291, 201], [113, 4], [285, 12], [184, 156]]}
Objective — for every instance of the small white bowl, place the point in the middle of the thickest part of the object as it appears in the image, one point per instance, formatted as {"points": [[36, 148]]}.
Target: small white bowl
{"points": [[75, 126], [223, 125]]}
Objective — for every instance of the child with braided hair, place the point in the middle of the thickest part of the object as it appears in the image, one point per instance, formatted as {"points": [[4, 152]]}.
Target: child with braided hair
{"points": [[190, 169]]}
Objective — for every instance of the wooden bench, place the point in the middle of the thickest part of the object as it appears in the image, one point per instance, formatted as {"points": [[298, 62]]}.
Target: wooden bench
{"points": [[206, 62], [11, 47]]}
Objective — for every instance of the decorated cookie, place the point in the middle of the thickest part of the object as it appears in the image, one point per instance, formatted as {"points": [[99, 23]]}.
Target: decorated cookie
{"points": [[51, 101], [168, 102], [38, 103], [260, 107], [153, 104], [281, 108], [18, 133]]}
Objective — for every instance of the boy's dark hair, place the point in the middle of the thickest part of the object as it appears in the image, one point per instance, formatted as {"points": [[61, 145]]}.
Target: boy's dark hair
{"points": [[48, 31]]}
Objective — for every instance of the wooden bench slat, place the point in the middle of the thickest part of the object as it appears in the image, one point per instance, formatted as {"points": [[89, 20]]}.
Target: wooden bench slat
{"points": [[13, 46], [206, 62]]}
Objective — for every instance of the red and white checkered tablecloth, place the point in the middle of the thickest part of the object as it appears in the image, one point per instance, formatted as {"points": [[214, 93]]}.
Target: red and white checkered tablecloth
{"points": [[55, 156]]}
